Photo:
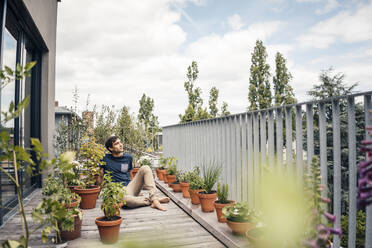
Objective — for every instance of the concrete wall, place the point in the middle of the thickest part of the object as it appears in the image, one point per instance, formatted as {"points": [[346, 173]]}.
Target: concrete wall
{"points": [[44, 14]]}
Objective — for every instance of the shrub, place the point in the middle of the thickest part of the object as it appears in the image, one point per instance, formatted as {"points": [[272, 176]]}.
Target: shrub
{"points": [[360, 229]]}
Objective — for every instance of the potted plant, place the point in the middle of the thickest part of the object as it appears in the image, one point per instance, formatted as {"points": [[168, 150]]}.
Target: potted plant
{"points": [[211, 173], [240, 218], [185, 183], [161, 170], [112, 196], [58, 211], [196, 186], [176, 186], [222, 194], [171, 171], [91, 155]]}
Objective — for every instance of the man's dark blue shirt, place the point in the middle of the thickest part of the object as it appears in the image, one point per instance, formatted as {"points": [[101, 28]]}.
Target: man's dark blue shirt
{"points": [[119, 167]]}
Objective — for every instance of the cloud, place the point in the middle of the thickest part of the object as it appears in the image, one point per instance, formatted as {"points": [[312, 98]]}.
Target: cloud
{"points": [[235, 22], [346, 27], [330, 5]]}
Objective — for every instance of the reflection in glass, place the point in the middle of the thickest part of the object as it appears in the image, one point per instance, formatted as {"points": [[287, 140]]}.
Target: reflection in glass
{"points": [[8, 95]]}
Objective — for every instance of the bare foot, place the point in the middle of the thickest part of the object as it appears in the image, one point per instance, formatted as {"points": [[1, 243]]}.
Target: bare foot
{"points": [[156, 204], [164, 200]]}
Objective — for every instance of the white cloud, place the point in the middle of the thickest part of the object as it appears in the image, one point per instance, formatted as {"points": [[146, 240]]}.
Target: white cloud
{"points": [[347, 27], [330, 5], [235, 22]]}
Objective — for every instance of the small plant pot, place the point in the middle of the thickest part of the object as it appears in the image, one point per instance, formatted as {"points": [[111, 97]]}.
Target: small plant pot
{"points": [[73, 204], [133, 172], [194, 194], [176, 187], [72, 188], [171, 179], [240, 228], [88, 196], [185, 189], [219, 206], [207, 201], [108, 230], [74, 234], [164, 172], [160, 173]]}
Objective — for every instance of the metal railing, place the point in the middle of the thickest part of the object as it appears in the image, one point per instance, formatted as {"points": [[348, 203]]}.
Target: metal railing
{"points": [[243, 142]]}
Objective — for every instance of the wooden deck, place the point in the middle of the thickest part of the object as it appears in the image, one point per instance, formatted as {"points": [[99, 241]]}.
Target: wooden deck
{"points": [[144, 226]]}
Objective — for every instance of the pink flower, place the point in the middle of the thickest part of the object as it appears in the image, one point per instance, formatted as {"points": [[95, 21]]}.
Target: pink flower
{"points": [[325, 199], [329, 216], [323, 232], [311, 243], [337, 231]]}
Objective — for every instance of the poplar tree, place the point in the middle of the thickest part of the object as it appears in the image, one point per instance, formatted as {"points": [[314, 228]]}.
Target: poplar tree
{"points": [[283, 92], [259, 95], [224, 111], [213, 98]]}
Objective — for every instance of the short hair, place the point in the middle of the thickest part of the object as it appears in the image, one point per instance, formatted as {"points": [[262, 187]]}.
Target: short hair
{"points": [[110, 141]]}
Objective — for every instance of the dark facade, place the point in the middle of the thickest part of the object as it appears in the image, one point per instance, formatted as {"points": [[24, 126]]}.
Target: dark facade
{"points": [[28, 33]]}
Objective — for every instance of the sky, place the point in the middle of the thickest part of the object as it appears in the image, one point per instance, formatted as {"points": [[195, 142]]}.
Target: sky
{"points": [[114, 51]]}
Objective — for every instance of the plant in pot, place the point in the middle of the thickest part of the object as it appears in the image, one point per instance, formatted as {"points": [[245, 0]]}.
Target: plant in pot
{"points": [[176, 186], [222, 195], [58, 211], [211, 173], [91, 155], [196, 185], [185, 180], [68, 170], [240, 218], [171, 171], [161, 170], [112, 195]]}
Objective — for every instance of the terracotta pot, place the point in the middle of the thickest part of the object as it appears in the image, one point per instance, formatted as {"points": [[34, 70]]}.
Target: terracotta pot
{"points": [[88, 196], [164, 172], [207, 201], [194, 193], [185, 189], [133, 172], [74, 234], [159, 173], [171, 179], [72, 188], [240, 228], [219, 207], [176, 187], [108, 230], [73, 204]]}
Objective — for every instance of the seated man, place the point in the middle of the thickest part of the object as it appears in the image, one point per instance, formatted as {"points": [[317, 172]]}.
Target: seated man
{"points": [[119, 164]]}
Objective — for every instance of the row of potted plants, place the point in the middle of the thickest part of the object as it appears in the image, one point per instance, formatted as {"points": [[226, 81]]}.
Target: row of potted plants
{"points": [[201, 191]]}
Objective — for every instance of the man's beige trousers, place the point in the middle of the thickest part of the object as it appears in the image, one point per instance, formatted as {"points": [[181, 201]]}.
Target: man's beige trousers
{"points": [[143, 179]]}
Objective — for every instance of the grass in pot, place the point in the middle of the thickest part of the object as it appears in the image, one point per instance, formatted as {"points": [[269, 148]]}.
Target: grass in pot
{"points": [[91, 155], [112, 195], [211, 173], [222, 195], [240, 218], [196, 185]]}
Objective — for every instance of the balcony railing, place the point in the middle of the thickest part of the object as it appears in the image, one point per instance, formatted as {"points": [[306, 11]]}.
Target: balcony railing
{"points": [[283, 137]]}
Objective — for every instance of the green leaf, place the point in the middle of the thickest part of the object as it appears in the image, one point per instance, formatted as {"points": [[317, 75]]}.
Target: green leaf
{"points": [[30, 65], [8, 70], [11, 243]]}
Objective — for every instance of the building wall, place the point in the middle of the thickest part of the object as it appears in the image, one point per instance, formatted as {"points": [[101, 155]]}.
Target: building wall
{"points": [[44, 14]]}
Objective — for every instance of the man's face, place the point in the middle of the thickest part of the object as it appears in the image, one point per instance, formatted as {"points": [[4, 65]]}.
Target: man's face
{"points": [[117, 147]]}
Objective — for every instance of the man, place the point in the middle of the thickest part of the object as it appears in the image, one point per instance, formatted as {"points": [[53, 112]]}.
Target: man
{"points": [[120, 164]]}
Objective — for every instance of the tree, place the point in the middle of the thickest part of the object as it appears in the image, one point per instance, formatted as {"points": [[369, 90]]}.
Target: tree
{"points": [[130, 132], [332, 85], [213, 97], [195, 102], [147, 118], [282, 90], [104, 126], [259, 95], [224, 111]]}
